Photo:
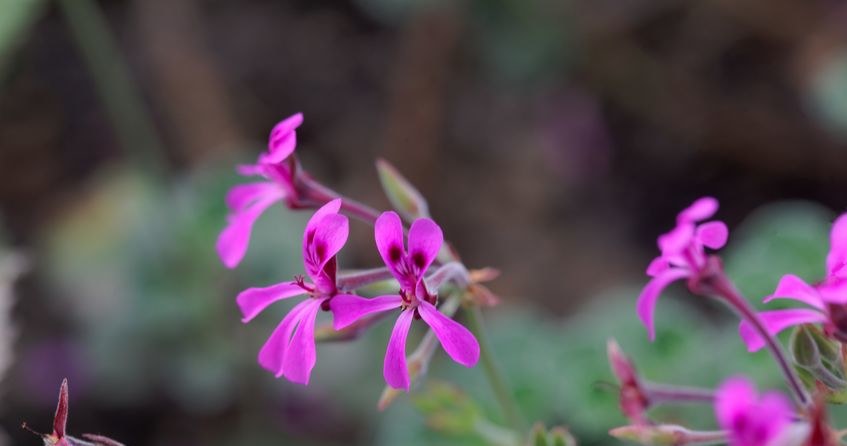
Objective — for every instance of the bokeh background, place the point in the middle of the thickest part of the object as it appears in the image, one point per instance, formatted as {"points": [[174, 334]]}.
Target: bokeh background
{"points": [[554, 140]]}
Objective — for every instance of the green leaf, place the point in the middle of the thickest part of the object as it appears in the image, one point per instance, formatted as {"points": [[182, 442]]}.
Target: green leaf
{"points": [[16, 20]]}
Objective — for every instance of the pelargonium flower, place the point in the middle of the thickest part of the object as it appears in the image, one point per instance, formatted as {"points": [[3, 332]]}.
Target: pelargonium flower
{"points": [[247, 202], [290, 351], [414, 298], [682, 254], [749, 419], [828, 299]]}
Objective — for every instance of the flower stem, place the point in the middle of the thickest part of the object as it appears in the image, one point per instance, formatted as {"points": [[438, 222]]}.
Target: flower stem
{"points": [[351, 280], [321, 194], [724, 288], [449, 271], [664, 393], [492, 372]]}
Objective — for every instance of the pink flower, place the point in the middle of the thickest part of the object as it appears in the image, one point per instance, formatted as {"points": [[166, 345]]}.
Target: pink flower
{"points": [[683, 254], [828, 299], [290, 351], [750, 420], [414, 299], [247, 202]]}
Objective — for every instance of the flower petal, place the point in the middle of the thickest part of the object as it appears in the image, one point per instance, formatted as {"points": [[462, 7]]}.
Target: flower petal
{"points": [[241, 195], [283, 139], [675, 241], [388, 233], [749, 420], [330, 236], [734, 398], [775, 410], [233, 240], [713, 234], [312, 264], [793, 287], [272, 353], [776, 321], [457, 340], [253, 301], [425, 240], [833, 291], [700, 210], [300, 357], [837, 257], [394, 370], [646, 305], [657, 266], [347, 308]]}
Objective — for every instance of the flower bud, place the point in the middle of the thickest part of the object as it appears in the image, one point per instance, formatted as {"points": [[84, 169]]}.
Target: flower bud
{"points": [[633, 398], [404, 197], [819, 359]]}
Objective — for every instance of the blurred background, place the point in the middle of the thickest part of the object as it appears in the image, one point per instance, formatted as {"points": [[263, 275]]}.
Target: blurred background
{"points": [[554, 139]]}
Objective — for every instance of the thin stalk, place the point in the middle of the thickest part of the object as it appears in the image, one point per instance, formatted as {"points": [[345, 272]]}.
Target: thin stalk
{"points": [[115, 87], [450, 271], [492, 372], [724, 287], [352, 280], [664, 393], [321, 194]]}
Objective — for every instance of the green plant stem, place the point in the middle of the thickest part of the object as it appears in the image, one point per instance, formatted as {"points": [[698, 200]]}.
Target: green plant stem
{"points": [[492, 372], [125, 108]]}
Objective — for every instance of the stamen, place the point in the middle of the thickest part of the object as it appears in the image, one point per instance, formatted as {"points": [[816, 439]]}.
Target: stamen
{"points": [[301, 282]]}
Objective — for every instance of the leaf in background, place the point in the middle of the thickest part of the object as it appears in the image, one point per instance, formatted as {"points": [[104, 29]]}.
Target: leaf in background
{"points": [[827, 93], [777, 239], [16, 20]]}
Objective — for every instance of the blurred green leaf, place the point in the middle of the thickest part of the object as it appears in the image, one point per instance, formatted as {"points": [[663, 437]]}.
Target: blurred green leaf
{"points": [[16, 20], [828, 94]]}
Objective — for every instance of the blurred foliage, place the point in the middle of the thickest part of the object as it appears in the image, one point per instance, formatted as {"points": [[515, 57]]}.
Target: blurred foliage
{"points": [[828, 94], [16, 20]]}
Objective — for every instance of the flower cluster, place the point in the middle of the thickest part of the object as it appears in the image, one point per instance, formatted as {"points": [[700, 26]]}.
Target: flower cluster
{"points": [[745, 418], [290, 351]]}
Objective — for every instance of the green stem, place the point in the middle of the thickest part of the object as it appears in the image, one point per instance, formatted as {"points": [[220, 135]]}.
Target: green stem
{"points": [[115, 87], [492, 372]]}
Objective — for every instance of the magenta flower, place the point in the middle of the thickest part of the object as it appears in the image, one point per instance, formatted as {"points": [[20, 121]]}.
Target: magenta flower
{"points": [[828, 299], [414, 299], [290, 351], [683, 254], [247, 202], [748, 419]]}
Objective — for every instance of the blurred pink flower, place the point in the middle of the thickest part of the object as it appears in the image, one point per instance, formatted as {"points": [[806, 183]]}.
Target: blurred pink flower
{"points": [[408, 267], [290, 351], [682, 254], [749, 419], [828, 299], [247, 202]]}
